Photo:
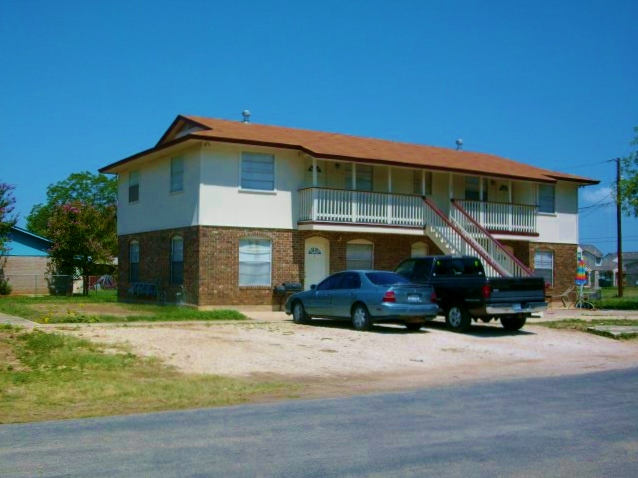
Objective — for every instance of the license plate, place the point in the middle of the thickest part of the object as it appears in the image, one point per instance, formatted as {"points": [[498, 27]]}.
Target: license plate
{"points": [[414, 297]]}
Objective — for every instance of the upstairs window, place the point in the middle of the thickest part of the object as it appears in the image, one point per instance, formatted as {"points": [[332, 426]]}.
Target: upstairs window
{"points": [[177, 175], [422, 185], [177, 260], [133, 186], [134, 262], [258, 171], [546, 198], [475, 188], [255, 261], [359, 255], [363, 175]]}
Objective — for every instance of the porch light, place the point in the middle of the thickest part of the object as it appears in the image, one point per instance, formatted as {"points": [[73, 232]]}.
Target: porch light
{"points": [[318, 169], [503, 187]]}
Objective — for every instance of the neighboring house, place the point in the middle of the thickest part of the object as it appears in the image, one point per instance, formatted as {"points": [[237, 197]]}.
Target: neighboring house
{"points": [[609, 269], [222, 211], [26, 263], [593, 258]]}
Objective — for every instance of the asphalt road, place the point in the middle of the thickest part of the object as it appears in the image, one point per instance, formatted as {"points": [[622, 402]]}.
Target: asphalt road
{"points": [[585, 426]]}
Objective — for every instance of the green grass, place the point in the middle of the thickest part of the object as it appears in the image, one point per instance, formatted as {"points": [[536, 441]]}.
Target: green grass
{"points": [[610, 299], [103, 307], [50, 376], [584, 326]]}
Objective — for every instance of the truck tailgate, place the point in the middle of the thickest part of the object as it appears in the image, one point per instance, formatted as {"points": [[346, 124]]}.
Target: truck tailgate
{"points": [[517, 289]]}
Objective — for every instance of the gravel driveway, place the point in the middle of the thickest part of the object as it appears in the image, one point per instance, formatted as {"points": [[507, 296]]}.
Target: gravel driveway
{"points": [[332, 358]]}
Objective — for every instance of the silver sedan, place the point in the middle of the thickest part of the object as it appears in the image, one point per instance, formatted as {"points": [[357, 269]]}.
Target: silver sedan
{"points": [[365, 297]]}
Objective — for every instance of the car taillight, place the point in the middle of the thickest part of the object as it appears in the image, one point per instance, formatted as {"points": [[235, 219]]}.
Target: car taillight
{"points": [[389, 297], [433, 297], [487, 291]]}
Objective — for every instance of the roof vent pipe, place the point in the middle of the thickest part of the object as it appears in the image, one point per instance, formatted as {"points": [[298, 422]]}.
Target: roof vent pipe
{"points": [[459, 144], [246, 115]]}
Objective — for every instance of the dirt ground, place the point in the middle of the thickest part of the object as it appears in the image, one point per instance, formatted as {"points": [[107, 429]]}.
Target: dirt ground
{"points": [[331, 359]]}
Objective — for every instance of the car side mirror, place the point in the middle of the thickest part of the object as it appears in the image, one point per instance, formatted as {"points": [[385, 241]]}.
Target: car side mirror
{"points": [[313, 286]]}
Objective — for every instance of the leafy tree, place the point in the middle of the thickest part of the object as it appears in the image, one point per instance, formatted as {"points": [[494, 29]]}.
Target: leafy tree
{"points": [[83, 235], [98, 190], [7, 221], [629, 183], [7, 218]]}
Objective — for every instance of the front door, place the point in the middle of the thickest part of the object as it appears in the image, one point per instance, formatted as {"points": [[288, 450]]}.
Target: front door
{"points": [[317, 260]]}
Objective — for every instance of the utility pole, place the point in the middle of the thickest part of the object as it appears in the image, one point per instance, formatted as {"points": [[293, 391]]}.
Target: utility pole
{"points": [[619, 225]]}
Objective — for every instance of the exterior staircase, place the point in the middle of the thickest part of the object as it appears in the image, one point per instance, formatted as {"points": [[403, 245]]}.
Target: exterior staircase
{"points": [[462, 234]]}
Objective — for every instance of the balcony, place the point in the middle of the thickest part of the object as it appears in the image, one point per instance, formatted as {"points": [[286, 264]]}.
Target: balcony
{"points": [[339, 206], [360, 207], [499, 217]]}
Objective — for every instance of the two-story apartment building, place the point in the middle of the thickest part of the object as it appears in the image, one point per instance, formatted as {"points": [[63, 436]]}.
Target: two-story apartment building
{"points": [[222, 211]]}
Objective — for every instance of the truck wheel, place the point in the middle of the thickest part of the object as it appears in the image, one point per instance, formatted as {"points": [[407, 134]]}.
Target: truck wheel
{"points": [[513, 323], [457, 319], [361, 318], [298, 313]]}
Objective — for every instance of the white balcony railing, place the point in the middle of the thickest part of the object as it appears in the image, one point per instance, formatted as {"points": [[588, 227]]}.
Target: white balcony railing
{"points": [[496, 216], [341, 206]]}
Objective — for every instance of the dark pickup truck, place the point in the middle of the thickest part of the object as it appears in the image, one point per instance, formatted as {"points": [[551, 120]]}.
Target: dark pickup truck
{"points": [[464, 293]]}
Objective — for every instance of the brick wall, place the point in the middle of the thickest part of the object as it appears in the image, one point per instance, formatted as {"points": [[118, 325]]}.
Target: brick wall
{"points": [[565, 263], [211, 260]]}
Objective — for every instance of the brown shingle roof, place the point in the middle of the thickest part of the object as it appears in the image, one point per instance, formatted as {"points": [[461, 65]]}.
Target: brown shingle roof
{"points": [[324, 145]]}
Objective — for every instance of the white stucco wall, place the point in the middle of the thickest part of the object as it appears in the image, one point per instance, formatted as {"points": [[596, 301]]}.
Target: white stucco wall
{"points": [[212, 194], [224, 203], [561, 227], [158, 208]]}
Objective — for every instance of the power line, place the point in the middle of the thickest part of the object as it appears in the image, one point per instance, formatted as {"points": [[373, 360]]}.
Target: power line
{"points": [[581, 166]]}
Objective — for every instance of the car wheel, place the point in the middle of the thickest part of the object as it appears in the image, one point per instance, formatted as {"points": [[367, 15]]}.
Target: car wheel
{"points": [[513, 323], [298, 313], [457, 318], [414, 326], [361, 318]]}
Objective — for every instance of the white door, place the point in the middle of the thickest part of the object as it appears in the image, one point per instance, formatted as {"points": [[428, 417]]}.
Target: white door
{"points": [[317, 260]]}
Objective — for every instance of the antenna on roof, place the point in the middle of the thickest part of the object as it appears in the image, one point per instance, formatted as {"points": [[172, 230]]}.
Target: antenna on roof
{"points": [[459, 144], [246, 115]]}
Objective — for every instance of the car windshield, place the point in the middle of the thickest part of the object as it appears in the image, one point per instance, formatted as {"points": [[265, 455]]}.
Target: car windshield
{"points": [[386, 278]]}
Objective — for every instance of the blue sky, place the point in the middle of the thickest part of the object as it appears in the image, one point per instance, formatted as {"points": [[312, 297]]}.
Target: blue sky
{"points": [[548, 83]]}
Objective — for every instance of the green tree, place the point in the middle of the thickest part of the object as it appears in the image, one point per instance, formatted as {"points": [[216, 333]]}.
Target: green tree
{"points": [[7, 218], [629, 180], [7, 221], [98, 190], [83, 235]]}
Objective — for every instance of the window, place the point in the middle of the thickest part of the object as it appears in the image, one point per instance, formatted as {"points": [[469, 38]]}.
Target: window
{"points": [[546, 198], [544, 266], [133, 186], [134, 261], [419, 249], [177, 175], [351, 280], [363, 177], [258, 171], [417, 182], [473, 188], [386, 278], [359, 256], [332, 282], [255, 259], [177, 260]]}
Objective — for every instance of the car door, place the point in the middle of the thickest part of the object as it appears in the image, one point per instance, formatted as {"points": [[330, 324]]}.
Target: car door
{"points": [[319, 304], [346, 294]]}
